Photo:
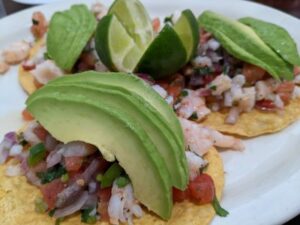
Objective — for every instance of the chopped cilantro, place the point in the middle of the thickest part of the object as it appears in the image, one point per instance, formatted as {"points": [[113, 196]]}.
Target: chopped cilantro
{"points": [[36, 154], [46, 56], [114, 171], [65, 178], [213, 87], [194, 116], [21, 139], [40, 205], [35, 22], [184, 93], [204, 70], [86, 216], [122, 181], [99, 177], [218, 209], [52, 174], [169, 19], [51, 212], [226, 69]]}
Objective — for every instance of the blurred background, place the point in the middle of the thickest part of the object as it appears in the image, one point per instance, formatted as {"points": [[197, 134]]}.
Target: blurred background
{"points": [[289, 6]]}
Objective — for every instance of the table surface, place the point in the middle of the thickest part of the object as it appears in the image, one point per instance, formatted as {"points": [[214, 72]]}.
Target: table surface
{"points": [[290, 6]]}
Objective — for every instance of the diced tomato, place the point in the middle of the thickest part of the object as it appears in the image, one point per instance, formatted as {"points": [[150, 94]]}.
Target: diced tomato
{"points": [[28, 66], [253, 73], [265, 105], [73, 163], [27, 115], [179, 196], [37, 84], [202, 189], [50, 192], [208, 78], [104, 196], [175, 87], [156, 24], [296, 70], [285, 91], [41, 133]]}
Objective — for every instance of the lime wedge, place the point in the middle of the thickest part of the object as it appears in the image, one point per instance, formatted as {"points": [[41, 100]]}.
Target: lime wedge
{"points": [[115, 47], [135, 19], [187, 29], [165, 56]]}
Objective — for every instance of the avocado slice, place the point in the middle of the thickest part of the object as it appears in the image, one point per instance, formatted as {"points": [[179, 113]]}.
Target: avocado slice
{"points": [[115, 132], [123, 82], [150, 121], [243, 43], [276, 37]]}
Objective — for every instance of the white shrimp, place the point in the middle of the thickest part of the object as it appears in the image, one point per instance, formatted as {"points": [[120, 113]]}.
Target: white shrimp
{"points": [[247, 102], [201, 61], [195, 163], [193, 103], [99, 10], [122, 205], [220, 84], [16, 52], [199, 139], [46, 71], [263, 89], [296, 92], [4, 67]]}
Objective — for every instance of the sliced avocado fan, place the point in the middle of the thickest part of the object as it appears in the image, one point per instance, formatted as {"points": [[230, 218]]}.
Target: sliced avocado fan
{"points": [[122, 125], [148, 118], [69, 32], [276, 37], [243, 43]]}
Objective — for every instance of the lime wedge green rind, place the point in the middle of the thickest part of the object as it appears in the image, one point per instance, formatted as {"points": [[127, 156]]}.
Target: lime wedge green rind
{"points": [[165, 56], [243, 43], [188, 31], [276, 37], [115, 46], [69, 32], [135, 19]]}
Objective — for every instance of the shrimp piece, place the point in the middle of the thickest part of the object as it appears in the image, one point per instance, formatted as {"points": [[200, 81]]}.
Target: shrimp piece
{"points": [[3, 67], [263, 90], [195, 163], [199, 139], [233, 115], [46, 71], [247, 102], [220, 84], [16, 52], [39, 25], [122, 205], [191, 104], [99, 10]]}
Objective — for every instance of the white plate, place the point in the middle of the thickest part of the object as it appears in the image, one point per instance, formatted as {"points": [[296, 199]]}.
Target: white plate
{"points": [[262, 183], [35, 2]]}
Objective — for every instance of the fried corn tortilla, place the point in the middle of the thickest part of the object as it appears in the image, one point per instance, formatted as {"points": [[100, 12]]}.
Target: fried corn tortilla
{"points": [[256, 122], [26, 79], [17, 202]]}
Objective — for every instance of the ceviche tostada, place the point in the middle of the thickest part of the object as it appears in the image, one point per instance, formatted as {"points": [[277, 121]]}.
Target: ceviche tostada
{"points": [[124, 113]]}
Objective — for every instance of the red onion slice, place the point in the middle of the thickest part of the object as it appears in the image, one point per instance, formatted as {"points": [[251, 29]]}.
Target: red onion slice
{"points": [[73, 207], [77, 148]]}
